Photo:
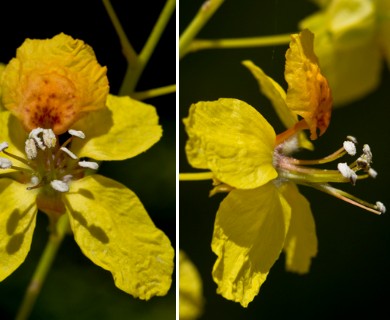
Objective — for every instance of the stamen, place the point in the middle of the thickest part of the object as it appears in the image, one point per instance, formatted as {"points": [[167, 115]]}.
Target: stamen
{"points": [[34, 135], [49, 138], [34, 180], [372, 173], [69, 153], [352, 139], [347, 172], [349, 147], [381, 207], [5, 163], [89, 164], [30, 149], [59, 185], [76, 133], [3, 146]]}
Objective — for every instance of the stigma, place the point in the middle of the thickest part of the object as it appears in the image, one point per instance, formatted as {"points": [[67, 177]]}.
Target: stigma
{"points": [[48, 164], [309, 173]]}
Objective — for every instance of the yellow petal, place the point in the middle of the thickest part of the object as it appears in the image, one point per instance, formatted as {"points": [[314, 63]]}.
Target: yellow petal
{"points": [[249, 233], [190, 289], [11, 131], [17, 223], [52, 83], [308, 93], [123, 130], [233, 140], [2, 68], [113, 229], [301, 241], [347, 48], [275, 93]]}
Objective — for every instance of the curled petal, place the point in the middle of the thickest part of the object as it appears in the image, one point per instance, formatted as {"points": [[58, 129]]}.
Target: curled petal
{"points": [[114, 230], [249, 233], [233, 140], [17, 224], [123, 130], [275, 93], [308, 93], [52, 83]]}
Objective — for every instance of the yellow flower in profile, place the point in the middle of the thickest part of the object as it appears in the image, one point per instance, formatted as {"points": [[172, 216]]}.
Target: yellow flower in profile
{"points": [[58, 118], [190, 289], [264, 212], [352, 41]]}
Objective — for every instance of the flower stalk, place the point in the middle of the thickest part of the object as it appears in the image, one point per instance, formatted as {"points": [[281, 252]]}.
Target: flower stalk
{"points": [[55, 239]]}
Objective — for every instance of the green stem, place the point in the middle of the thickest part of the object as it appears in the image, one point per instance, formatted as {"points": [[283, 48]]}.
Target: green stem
{"points": [[263, 41], [43, 268], [201, 18], [197, 176], [156, 92], [127, 48], [133, 73]]}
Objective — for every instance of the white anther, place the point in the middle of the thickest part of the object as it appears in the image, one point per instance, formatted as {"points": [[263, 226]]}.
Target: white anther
{"points": [[372, 173], [352, 139], [31, 149], [67, 178], [59, 185], [381, 207], [367, 152], [34, 135], [350, 147], [69, 153], [89, 164], [49, 138], [3, 146], [77, 133], [34, 180], [5, 163], [347, 172]]}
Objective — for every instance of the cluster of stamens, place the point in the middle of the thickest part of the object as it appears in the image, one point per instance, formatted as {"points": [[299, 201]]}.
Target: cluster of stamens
{"points": [[48, 163], [302, 172]]}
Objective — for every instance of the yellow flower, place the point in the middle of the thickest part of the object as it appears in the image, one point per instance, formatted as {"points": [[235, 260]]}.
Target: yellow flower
{"points": [[352, 39], [190, 289], [59, 117], [264, 212]]}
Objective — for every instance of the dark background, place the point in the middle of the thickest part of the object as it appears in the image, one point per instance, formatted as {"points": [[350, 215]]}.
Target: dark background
{"points": [[75, 287], [350, 275]]}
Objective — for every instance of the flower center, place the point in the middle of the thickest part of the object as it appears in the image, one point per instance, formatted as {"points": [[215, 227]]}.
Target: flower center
{"points": [[49, 164], [305, 172]]}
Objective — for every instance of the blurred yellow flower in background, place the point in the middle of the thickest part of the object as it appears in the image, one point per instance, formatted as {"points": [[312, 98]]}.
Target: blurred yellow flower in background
{"points": [[190, 289], [352, 40]]}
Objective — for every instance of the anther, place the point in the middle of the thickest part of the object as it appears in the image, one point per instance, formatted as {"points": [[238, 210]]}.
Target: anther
{"points": [[59, 185], [350, 147], [49, 138], [69, 153], [3, 146], [5, 163], [347, 172], [367, 152], [380, 206], [34, 135], [31, 149], [89, 164], [372, 173], [76, 133], [352, 139]]}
